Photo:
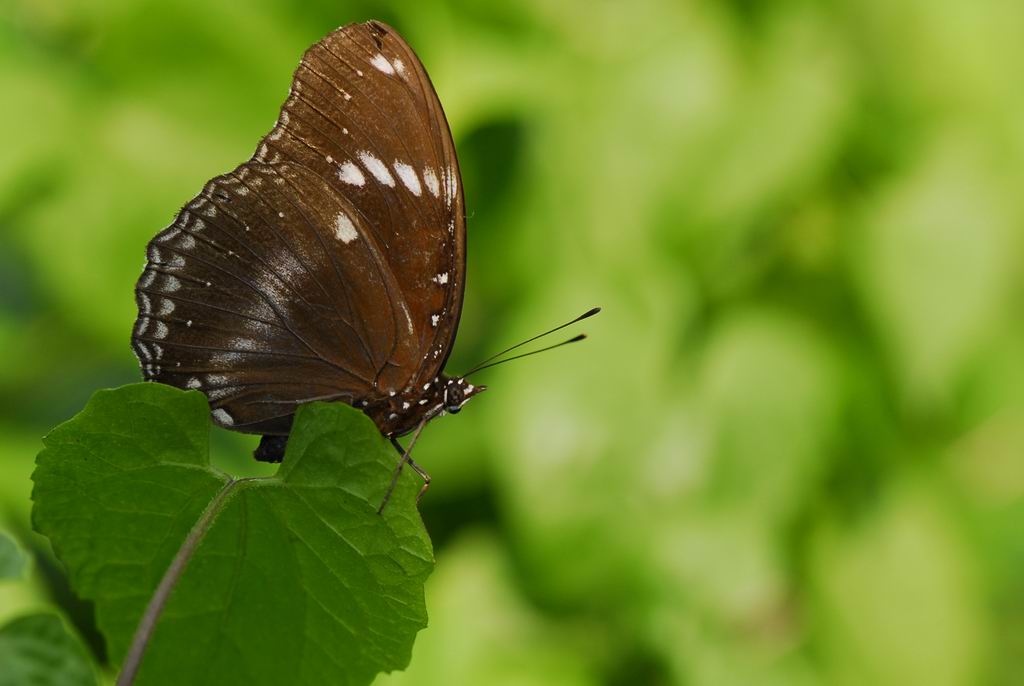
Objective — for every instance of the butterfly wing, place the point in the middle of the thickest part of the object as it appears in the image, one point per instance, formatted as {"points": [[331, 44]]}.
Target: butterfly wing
{"points": [[330, 265]]}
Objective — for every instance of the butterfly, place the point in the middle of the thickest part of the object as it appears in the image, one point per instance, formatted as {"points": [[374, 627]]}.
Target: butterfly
{"points": [[330, 265]]}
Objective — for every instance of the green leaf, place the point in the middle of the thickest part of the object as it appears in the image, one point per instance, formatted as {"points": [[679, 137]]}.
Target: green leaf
{"points": [[38, 650], [294, 579], [12, 559]]}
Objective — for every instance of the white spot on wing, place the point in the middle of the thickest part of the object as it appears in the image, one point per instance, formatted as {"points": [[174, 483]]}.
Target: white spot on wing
{"points": [[434, 319], [223, 417], [382, 64], [193, 383], [399, 65], [166, 307], [451, 185], [161, 330], [351, 174], [377, 168], [432, 184], [441, 278], [344, 229], [408, 176], [169, 236], [242, 343]]}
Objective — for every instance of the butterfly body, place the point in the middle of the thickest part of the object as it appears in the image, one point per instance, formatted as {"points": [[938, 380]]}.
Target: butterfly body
{"points": [[444, 394], [330, 265]]}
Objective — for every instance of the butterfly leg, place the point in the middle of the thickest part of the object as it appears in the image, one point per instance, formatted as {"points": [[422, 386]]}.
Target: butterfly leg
{"points": [[404, 452], [415, 467]]}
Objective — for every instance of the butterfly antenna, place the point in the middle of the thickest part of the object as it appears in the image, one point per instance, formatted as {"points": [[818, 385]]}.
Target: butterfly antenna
{"points": [[589, 313], [574, 339]]}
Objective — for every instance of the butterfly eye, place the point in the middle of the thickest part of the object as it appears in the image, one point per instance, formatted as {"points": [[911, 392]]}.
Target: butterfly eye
{"points": [[454, 397]]}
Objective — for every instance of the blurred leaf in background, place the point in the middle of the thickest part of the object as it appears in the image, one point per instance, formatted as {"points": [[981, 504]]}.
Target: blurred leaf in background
{"points": [[37, 649], [792, 450], [12, 559]]}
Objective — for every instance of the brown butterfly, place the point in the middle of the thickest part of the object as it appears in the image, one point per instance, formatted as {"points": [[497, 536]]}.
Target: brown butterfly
{"points": [[330, 265]]}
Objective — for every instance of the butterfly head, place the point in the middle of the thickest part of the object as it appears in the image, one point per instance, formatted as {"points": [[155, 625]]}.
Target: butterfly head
{"points": [[457, 392]]}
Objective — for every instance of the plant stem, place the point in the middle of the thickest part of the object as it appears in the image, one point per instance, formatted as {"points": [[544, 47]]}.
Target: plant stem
{"points": [[147, 625]]}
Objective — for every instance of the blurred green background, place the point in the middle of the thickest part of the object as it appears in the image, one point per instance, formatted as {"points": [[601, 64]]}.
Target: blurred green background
{"points": [[792, 451]]}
